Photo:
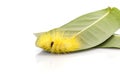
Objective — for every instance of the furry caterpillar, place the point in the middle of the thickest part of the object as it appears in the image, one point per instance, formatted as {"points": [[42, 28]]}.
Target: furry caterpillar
{"points": [[57, 42]]}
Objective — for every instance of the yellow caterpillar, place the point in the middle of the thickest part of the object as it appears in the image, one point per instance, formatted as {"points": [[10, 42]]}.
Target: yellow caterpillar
{"points": [[56, 42]]}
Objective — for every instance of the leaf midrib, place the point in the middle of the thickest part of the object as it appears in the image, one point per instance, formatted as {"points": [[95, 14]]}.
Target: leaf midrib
{"points": [[102, 17]]}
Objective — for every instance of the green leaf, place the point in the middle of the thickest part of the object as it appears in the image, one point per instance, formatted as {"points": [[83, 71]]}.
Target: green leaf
{"points": [[112, 42], [94, 28]]}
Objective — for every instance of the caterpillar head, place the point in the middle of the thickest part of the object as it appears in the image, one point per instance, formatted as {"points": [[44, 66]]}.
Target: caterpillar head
{"points": [[57, 42]]}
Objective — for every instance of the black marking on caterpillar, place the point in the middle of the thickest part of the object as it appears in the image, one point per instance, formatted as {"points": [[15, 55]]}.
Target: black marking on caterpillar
{"points": [[51, 44]]}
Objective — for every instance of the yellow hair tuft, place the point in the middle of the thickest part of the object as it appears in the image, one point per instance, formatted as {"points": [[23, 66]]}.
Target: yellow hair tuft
{"points": [[56, 42]]}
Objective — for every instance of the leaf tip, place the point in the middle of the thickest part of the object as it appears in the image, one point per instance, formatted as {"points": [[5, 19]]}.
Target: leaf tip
{"points": [[37, 34]]}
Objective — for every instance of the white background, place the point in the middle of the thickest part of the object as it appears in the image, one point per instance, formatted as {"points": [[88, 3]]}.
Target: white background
{"points": [[21, 60]]}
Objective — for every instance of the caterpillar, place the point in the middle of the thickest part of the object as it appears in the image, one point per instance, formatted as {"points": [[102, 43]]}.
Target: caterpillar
{"points": [[57, 42]]}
